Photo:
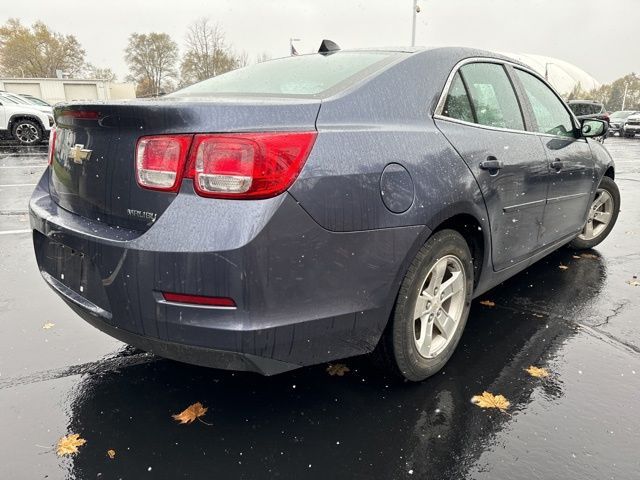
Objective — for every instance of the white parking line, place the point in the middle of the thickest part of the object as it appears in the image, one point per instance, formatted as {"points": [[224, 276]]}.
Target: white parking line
{"points": [[19, 185], [24, 166], [11, 232]]}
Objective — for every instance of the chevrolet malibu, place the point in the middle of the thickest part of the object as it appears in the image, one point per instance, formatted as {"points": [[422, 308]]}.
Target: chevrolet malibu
{"points": [[316, 207]]}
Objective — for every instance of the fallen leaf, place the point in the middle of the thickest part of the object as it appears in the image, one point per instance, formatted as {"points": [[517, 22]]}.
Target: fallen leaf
{"points": [[48, 325], [633, 283], [589, 255], [537, 315], [577, 257], [191, 414], [488, 303], [563, 267], [111, 454], [69, 445], [489, 400], [338, 369], [537, 371]]}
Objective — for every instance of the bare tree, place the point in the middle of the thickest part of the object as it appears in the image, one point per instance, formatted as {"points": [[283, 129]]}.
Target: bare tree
{"points": [[152, 59], [38, 51], [98, 73], [263, 57], [208, 53]]}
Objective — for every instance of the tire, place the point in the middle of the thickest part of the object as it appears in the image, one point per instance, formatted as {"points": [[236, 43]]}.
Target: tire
{"points": [[27, 132], [400, 343], [599, 231]]}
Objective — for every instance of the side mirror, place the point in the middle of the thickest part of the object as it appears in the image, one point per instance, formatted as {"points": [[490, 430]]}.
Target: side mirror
{"points": [[594, 128]]}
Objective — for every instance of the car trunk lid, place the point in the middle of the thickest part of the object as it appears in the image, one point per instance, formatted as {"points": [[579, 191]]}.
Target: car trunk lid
{"points": [[93, 160]]}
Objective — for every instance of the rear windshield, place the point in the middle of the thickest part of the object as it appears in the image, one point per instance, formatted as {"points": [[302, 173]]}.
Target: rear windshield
{"points": [[585, 108], [305, 75]]}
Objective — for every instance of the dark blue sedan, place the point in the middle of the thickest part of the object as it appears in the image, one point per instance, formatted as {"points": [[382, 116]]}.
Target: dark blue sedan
{"points": [[316, 207]]}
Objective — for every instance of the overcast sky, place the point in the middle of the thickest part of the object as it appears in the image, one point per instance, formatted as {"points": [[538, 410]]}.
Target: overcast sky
{"points": [[602, 37]]}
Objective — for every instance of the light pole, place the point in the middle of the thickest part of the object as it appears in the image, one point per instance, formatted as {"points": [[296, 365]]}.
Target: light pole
{"points": [[292, 49], [416, 10]]}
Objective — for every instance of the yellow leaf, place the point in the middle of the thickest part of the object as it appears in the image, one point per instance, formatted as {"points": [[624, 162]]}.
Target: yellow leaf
{"points": [[488, 303], [69, 445], [537, 371], [48, 325], [589, 255], [111, 454], [191, 413], [633, 283], [488, 400], [338, 369], [563, 267]]}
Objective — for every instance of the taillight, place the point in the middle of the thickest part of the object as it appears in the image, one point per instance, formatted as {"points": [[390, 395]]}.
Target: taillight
{"points": [[247, 165], [224, 302], [160, 161], [52, 144]]}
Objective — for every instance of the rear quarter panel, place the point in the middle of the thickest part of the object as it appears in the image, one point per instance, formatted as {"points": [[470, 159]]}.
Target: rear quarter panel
{"points": [[388, 119]]}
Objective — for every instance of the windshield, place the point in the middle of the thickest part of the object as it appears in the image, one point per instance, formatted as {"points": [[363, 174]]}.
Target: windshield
{"points": [[8, 99], [297, 75], [16, 99], [37, 101], [585, 108], [622, 114]]}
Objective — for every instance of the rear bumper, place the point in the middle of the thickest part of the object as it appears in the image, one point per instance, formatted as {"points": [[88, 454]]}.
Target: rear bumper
{"points": [[304, 295]]}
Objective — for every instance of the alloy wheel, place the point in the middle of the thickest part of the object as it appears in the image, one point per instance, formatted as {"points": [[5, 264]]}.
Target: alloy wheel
{"points": [[600, 215], [27, 133], [439, 306]]}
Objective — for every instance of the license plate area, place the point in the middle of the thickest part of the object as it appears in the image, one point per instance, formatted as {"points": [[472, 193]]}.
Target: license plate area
{"points": [[72, 268]]}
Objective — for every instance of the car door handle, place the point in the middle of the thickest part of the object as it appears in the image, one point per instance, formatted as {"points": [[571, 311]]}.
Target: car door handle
{"points": [[492, 164], [557, 165]]}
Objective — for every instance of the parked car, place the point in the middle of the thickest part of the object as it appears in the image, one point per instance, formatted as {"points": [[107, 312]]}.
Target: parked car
{"points": [[23, 122], [632, 125], [316, 207], [48, 109], [617, 121], [588, 109]]}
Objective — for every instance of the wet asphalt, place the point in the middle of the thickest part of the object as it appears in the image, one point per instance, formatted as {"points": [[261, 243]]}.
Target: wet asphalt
{"points": [[583, 421]]}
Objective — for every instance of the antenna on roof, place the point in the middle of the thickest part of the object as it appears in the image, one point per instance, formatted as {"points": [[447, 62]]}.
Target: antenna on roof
{"points": [[327, 47]]}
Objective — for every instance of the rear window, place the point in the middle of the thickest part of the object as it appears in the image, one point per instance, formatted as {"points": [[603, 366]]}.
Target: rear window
{"points": [[585, 108], [305, 75]]}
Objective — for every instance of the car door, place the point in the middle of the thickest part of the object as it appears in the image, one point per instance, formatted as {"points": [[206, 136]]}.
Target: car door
{"points": [[482, 119], [571, 164]]}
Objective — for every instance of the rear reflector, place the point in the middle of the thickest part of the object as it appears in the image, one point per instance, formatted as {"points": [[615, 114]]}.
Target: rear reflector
{"points": [[247, 165], [199, 300], [160, 161]]}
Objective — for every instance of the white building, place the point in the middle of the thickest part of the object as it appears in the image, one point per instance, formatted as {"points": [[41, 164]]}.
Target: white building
{"points": [[54, 90], [563, 76]]}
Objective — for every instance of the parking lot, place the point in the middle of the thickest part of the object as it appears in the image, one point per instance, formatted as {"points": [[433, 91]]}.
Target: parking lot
{"points": [[58, 375]]}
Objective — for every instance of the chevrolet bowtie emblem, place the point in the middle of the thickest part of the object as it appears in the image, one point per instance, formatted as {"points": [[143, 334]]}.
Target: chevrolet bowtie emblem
{"points": [[79, 154]]}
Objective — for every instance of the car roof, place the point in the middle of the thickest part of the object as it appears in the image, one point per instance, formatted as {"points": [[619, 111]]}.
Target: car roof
{"points": [[590, 102]]}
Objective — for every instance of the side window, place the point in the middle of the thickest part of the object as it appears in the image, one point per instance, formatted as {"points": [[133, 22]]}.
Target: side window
{"points": [[551, 115], [492, 96], [457, 104]]}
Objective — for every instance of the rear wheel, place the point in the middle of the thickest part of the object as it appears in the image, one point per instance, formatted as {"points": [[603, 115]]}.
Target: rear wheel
{"points": [[432, 307], [603, 214], [27, 132]]}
